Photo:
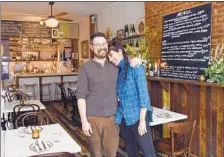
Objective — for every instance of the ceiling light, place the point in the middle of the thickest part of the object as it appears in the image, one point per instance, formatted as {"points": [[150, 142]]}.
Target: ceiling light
{"points": [[41, 22], [51, 22]]}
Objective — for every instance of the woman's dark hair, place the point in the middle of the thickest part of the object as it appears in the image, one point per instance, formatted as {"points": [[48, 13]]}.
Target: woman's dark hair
{"points": [[115, 45]]}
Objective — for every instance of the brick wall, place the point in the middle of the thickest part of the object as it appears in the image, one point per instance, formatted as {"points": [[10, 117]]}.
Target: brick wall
{"points": [[154, 12]]}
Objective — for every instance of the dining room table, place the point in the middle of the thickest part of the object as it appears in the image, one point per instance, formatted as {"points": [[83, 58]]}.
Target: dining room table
{"points": [[52, 139], [163, 116], [7, 107]]}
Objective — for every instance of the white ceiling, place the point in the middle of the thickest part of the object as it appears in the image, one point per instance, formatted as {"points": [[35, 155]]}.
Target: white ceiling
{"points": [[37, 9]]}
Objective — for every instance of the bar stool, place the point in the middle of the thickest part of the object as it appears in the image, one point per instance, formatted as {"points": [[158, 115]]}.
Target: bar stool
{"points": [[57, 90], [48, 93], [72, 85], [32, 87]]}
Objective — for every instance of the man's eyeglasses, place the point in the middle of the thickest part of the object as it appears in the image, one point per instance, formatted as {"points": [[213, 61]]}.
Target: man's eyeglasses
{"points": [[100, 45]]}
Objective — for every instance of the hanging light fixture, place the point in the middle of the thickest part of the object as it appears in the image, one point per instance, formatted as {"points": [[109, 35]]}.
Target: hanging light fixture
{"points": [[41, 22], [51, 21]]}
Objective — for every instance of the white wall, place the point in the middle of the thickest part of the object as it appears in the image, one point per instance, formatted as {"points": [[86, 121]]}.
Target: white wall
{"points": [[120, 14]]}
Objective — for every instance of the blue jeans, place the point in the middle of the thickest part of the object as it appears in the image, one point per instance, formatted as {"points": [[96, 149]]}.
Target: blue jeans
{"points": [[132, 139]]}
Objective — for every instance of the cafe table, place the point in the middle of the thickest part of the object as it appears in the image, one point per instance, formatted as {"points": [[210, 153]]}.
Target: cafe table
{"points": [[162, 116], [7, 107], [13, 145]]}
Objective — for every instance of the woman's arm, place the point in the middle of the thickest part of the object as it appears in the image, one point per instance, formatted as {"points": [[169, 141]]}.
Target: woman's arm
{"points": [[143, 96], [142, 123]]}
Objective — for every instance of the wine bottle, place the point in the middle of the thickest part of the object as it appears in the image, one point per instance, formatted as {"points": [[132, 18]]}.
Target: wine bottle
{"points": [[151, 70], [137, 45], [134, 29], [129, 30]]}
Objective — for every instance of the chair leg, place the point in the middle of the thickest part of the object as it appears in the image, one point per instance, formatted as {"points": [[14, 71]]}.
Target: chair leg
{"points": [[34, 93]]}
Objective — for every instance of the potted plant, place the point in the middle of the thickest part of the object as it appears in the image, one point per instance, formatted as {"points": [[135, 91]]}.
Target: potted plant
{"points": [[215, 71], [145, 48]]}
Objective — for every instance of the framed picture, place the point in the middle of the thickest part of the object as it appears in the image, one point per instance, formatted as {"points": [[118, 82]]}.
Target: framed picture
{"points": [[55, 33], [85, 49], [75, 56], [120, 34]]}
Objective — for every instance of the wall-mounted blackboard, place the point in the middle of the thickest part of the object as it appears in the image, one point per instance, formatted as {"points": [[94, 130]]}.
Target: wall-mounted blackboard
{"points": [[35, 30], [24, 29], [10, 28], [186, 42]]}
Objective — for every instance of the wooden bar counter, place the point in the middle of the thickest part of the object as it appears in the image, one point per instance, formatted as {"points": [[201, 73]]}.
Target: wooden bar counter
{"points": [[39, 78], [202, 101]]}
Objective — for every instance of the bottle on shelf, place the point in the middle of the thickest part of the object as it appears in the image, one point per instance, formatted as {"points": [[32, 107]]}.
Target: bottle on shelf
{"points": [[151, 69], [155, 72], [130, 30], [133, 27], [125, 31], [137, 45]]}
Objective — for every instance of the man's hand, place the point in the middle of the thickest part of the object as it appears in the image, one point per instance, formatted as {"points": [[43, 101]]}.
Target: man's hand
{"points": [[135, 62], [142, 128], [86, 128]]}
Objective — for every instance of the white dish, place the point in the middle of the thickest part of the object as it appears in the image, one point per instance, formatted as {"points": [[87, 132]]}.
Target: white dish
{"points": [[41, 146]]}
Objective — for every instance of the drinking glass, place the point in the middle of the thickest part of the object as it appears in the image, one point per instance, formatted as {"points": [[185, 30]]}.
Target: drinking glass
{"points": [[22, 131]]}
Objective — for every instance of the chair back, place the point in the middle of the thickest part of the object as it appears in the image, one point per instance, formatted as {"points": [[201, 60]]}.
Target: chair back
{"points": [[23, 108], [72, 95], [16, 95], [14, 87], [60, 154], [31, 119], [63, 93], [181, 133]]}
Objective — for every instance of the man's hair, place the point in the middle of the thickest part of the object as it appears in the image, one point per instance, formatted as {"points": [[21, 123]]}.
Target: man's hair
{"points": [[97, 34]]}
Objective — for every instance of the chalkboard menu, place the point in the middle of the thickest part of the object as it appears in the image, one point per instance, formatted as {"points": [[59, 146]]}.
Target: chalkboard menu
{"points": [[186, 42], [10, 28], [35, 30], [24, 29]]}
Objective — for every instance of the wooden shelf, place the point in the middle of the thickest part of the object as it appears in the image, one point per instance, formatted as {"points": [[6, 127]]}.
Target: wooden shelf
{"points": [[133, 37]]}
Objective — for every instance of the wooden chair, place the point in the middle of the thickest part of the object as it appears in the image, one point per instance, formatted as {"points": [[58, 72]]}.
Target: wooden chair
{"points": [[179, 142], [14, 87], [64, 98], [37, 119], [73, 100], [17, 111], [60, 154]]}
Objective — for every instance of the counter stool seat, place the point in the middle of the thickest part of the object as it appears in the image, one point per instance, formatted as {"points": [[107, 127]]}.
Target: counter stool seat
{"points": [[57, 91], [32, 87], [48, 93], [72, 83]]}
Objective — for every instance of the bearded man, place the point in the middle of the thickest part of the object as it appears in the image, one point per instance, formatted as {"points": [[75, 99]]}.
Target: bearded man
{"points": [[97, 99]]}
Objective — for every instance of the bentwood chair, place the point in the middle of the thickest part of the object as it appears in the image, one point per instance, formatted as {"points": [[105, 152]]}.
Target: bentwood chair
{"points": [[60, 154], [31, 119], [179, 142], [73, 99], [64, 98], [19, 109]]}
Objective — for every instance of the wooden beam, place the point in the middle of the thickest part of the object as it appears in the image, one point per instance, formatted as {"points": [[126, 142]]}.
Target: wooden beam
{"points": [[165, 85]]}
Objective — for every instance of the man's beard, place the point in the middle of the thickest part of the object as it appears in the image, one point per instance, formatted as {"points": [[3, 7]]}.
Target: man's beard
{"points": [[97, 55]]}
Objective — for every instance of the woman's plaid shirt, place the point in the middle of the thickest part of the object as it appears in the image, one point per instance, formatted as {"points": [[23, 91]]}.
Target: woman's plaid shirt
{"points": [[132, 93]]}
